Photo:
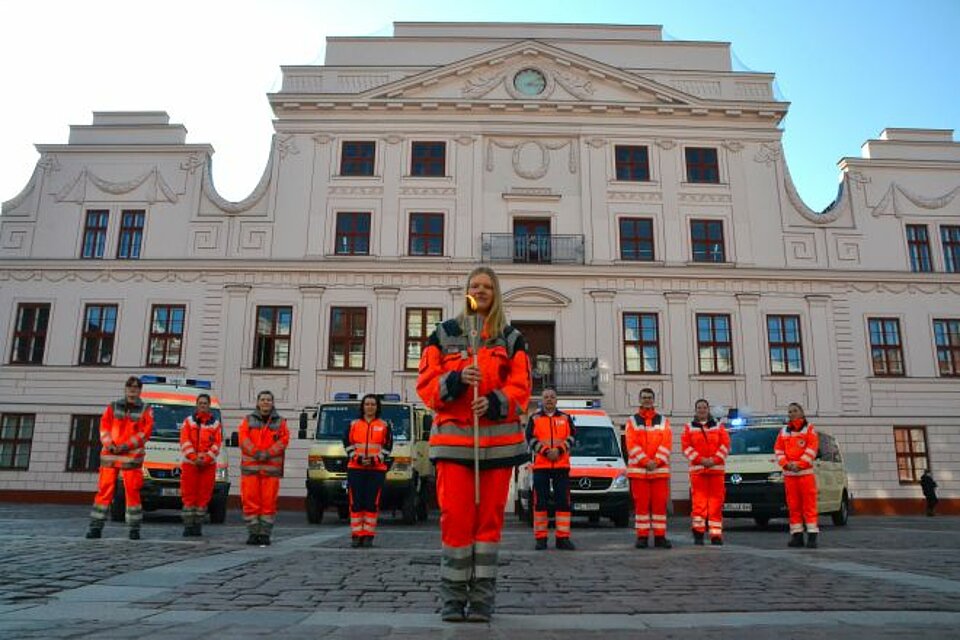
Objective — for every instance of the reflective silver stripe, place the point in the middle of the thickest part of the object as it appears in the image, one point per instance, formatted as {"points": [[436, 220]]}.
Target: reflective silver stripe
{"points": [[504, 404], [456, 563], [450, 452], [802, 472], [663, 449], [486, 430], [812, 527], [535, 445], [512, 338], [486, 556], [98, 512], [796, 528]]}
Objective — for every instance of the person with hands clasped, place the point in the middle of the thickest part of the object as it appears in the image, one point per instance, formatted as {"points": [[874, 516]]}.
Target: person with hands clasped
{"points": [[550, 435], [706, 444], [263, 439], [475, 376], [125, 427], [649, 441], [201, 437], [795, 450], [368, 443]]}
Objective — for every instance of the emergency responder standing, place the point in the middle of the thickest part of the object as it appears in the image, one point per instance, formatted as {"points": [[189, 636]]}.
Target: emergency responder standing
{"points": [[483, 392], [368, 442], [795, 450], [263, 439], [550, 435], [125, 427], [706, 444], [649, 442], [201, 437]]}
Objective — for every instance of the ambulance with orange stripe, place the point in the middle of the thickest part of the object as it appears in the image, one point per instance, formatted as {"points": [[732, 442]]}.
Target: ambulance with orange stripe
{"points": [[598, 474], [172, 400]]}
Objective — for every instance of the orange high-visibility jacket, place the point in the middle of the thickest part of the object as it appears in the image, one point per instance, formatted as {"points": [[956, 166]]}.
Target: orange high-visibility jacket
{"points": [[648, 438], [550, 432], [201, 437], [124, 430], [797, 442], [368, 440], [262, 443], [505, 382], [705, 440]]}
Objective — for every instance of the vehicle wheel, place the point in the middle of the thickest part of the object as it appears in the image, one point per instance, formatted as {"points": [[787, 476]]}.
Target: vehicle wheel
{"points": [[408, 510], [423, 502], [841, 516], [314, 510], [518, 509], [622, 519], [218, 510], [118, 508], [343, 512], [762, 521]]}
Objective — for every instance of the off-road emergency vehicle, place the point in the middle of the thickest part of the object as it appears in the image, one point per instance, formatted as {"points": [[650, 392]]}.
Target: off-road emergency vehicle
{"points": [[409, 485], [172, 401]]}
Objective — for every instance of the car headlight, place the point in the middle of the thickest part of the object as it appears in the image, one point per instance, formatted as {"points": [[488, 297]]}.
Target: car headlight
{"points": [[620, 482], [776, 476], [315, 463]]}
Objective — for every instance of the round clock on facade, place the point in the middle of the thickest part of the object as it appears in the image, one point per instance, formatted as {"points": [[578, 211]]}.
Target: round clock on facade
{"points": [[529, 82]]}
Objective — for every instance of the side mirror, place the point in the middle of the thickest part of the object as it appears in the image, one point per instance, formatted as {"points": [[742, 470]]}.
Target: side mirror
{"points": [[427, 425], [302, 433], [234, 440]]}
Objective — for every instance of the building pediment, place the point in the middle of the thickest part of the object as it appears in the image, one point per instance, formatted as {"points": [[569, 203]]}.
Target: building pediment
{"points": [[554, 75], [535, 297]]}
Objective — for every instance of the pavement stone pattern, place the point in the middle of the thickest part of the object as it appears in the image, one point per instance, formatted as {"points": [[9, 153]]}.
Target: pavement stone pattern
{"points": [[877, 578]]}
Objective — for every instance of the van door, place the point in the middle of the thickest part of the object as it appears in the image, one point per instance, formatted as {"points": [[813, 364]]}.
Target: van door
{"points": [[829, 475]]}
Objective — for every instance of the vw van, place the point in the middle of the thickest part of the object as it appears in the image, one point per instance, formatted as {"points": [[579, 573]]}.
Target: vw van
{"points": [[172, 401], [754, 480], [409, 485], [598, 475]]}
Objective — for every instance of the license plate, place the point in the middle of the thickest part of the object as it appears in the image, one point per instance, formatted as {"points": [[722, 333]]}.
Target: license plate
{"points": [[343, 484], [170, 491], [586, 506], [737, 506]]}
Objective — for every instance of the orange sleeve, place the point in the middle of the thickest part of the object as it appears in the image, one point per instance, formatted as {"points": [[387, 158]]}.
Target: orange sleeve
{"points": [[810, 451], [517, 385], [106, 426], [428, 380], [246, 442], [147, 424], [778, 451]]}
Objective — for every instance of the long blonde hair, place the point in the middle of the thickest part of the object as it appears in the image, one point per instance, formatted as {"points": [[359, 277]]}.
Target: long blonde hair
{"points": [[496, 320]]}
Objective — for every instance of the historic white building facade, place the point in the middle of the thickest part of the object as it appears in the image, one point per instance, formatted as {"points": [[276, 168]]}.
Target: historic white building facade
{"points": [[631, 192]]}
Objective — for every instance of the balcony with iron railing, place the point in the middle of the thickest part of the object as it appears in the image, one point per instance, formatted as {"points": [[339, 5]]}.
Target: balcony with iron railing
{"points": [[569, 376], [532, 249]]}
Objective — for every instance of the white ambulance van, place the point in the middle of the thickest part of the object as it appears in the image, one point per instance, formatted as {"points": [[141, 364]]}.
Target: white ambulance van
{"points": [[598, 475]]}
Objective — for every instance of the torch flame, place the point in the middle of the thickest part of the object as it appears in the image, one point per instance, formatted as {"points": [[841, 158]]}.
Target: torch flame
{"points": [[471, 303]]}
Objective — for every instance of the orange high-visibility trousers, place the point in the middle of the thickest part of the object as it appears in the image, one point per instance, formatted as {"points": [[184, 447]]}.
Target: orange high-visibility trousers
{"points": [[259, 495], [196, 485], [650, 505], [802, 502], [461, 521], [706, 509], [132, 483]]}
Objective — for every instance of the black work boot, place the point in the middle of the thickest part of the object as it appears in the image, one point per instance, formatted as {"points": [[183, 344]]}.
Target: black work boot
{"points": [[796, 540], [566, 544], [454, 598], [541, 544], [187, 531], [253, 538], [356, 542], [94, 533], [661, 542], [642, 543], [263, 540], [716, 541], [198, 530], [483, 593], [698, 538], [811, 541], [135, 534]]}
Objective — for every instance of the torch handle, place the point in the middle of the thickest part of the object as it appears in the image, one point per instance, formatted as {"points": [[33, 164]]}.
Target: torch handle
{"points": [[476, 433]]}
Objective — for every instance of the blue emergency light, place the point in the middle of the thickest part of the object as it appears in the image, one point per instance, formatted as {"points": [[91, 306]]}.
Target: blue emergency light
{"points": [[180, 382], [343, 396]]}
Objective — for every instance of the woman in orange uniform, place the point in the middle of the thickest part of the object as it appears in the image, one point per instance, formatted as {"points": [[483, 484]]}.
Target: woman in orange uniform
{"points": [[649, 441], [706, 444], [489, 384], [795, 450], [200, 440], [368, 442], [263, 439]]}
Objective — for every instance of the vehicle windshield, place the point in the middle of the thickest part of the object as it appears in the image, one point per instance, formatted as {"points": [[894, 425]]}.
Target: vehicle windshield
{"points": [[167, 419], [335, 419], [596, 442], [750, 441]]}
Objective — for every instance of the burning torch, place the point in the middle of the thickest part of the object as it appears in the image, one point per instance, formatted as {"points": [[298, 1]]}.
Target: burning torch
{"points": [[474, 322]]}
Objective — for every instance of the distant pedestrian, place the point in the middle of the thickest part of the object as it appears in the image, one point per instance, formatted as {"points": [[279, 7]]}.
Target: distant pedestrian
{"points": [[201, 437], [706, 443], [125, 427], [649, 441], [263, 439], [368, 443], [795, 450], [929, 486], [550, 435]]}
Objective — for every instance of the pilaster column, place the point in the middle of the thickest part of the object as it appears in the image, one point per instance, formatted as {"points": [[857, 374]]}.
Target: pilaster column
{"points": [[311, 311], [234, 330], [383, 357], [605, 320], [675, 350], [752, 349], [820, 361]]}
